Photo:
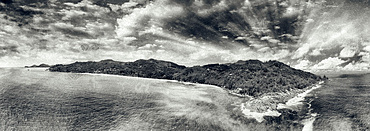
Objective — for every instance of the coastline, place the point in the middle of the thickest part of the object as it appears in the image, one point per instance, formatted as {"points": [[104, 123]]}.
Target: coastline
{"points": [[256, 108], [297, 100], [152, 79], [270, 103]]}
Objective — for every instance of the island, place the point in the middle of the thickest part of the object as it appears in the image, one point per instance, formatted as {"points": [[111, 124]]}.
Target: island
{"points": [[249, 78], [38, 66]]}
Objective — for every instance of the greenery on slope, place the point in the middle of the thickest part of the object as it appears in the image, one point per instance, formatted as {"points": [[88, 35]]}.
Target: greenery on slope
{"points": [[251, 77]]}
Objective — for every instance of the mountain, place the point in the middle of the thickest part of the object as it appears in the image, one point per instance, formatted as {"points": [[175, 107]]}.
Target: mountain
{"points": [[250, 77]]}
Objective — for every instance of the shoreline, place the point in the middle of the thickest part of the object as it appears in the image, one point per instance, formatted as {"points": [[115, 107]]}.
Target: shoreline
{"points": [[297, 100], [269, 104], [152, 79]]}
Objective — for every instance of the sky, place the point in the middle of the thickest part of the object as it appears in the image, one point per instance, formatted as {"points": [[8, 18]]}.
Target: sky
{"points": [[310, 35]]}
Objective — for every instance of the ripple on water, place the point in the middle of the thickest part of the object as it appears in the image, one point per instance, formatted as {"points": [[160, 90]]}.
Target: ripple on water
{"points": [[29, 107]]}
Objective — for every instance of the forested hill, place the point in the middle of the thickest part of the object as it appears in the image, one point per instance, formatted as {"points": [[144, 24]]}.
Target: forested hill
{"points": [[251, 77]]}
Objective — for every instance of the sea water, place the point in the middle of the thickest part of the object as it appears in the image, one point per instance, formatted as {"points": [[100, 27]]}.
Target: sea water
{"points": [[342, 104], [39, 100]]}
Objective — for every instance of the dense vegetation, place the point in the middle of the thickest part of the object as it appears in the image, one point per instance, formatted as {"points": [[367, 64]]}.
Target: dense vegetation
{"points": [[251, 77]]}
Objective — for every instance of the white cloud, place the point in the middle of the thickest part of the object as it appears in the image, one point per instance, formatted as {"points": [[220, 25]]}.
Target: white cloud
{"points": [[329, 63], [91, 9], [102, 29], [301, 51], [71, 14], [153, 13], [222, 5], [125, 6], [367, 47], [150, 47], [348, 51], [303, 64], [291, 11], [316, 52], [8, 26], [141, 35], [365, 57], [338, 28], [83, 3], [357, 66]]}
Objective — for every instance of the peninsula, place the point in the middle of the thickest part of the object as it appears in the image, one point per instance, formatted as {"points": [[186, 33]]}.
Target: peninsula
{"points": [[243, 78]]}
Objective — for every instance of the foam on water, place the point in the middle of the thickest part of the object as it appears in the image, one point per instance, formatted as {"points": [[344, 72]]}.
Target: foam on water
{"points": [[298, 100], [290, 104], [308, 123], [257, 115]]}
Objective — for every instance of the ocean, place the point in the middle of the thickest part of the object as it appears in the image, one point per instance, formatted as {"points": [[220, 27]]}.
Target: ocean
{"points": [[342, 104], [35, 99]]}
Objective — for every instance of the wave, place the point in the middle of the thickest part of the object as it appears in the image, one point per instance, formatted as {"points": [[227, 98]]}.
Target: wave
{"points": [[257, 115], [298, 100], [269, 106], [308, 123]]}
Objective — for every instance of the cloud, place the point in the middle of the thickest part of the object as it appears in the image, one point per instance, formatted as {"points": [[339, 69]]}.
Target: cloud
{"points": [[348, 51], [339, 33], [217, 7], [71, 31], [303, 34], [303, 64], [124, 7], [86, 4], [329, 63], [143, 32], [270, 39], [8, 27], [5, 50], [69, 14], [148, 16]]}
